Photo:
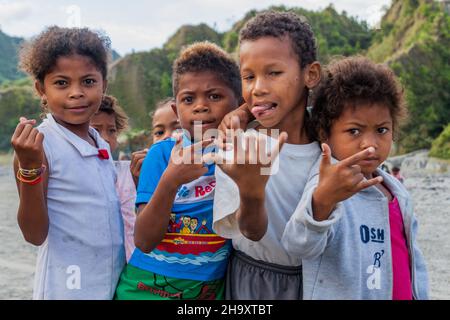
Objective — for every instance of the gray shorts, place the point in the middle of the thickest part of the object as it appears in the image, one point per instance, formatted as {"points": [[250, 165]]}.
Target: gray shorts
{"points": [[250, 279]]}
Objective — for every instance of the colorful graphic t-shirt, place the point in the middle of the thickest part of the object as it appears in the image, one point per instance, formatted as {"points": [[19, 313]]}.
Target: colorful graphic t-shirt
{"points": [[190, 249]]}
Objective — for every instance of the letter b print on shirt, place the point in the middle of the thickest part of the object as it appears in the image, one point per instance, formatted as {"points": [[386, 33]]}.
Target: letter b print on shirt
{"points": [[374, 271]]}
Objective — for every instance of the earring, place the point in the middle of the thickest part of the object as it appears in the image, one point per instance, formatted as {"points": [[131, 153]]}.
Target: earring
{"points": [[309, 105], [44, 103], [44, 106]]}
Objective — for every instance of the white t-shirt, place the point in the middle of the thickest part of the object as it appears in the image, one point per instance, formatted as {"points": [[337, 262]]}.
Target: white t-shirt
{"points": [[283, 193], [84, 254]]}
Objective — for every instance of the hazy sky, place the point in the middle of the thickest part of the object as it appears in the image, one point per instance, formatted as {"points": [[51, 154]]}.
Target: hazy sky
{"points": [[143, 25]]}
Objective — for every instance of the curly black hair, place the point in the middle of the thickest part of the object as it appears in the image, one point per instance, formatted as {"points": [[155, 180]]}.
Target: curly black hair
{"points": [[351, 82], [207, 56], [39, 56], [279, 25]]}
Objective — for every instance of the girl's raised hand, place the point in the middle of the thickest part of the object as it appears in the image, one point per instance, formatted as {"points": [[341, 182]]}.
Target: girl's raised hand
{"points": [[27, 142], [340, 181], [186, 164]]}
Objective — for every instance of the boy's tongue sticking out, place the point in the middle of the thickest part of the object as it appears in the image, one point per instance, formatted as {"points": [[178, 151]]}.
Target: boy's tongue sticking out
{"points": [[263, 109]]}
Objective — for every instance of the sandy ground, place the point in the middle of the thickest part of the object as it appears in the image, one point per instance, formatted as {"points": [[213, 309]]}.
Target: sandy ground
{"points": [[17, 258], [431, 194]]}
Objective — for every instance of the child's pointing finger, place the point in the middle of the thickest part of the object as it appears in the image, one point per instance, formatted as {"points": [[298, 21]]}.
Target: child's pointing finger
{"points": [[350, 161]]}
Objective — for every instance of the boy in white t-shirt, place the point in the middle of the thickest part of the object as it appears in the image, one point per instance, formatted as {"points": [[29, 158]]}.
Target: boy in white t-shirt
{"points": [[278, 69]]}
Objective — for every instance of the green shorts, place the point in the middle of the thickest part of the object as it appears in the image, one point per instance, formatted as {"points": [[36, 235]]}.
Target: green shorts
{"points": [[138, 284]]}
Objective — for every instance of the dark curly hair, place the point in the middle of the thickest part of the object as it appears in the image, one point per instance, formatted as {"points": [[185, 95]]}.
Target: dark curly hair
{"points": [[279, 25], [39, 56], [110, 106], [207, 56], [354, 81]]}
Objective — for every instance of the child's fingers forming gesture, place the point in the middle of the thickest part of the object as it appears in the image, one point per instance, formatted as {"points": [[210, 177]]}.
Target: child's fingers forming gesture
{"points": [[251, 162], [244, 116], [339, 181], [27, 142], [186, 164]]}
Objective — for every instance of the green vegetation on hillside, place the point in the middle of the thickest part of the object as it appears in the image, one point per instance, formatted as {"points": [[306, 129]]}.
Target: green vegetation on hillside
{"points": [[441, 146], [336, 33], [15, 101], [189, 34], [9, 49], [415, 41], [141, 79], [8, 57]]}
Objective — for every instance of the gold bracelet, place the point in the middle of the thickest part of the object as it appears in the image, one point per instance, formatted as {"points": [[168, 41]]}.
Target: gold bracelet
{"points": [[30, 174]]}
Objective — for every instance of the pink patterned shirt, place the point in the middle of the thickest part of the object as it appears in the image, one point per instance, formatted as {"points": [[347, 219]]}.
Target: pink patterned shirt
{"points": [[126, 191]]}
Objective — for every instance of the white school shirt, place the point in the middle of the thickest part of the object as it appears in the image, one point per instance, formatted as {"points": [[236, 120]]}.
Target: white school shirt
{"points": [[283, 192], [84, 254]]}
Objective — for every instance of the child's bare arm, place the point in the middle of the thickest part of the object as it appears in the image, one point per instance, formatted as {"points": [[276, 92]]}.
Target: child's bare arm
{"points": [[32, 214], [252, 217], [153, 218]]}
